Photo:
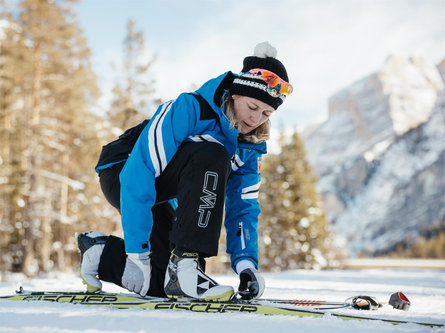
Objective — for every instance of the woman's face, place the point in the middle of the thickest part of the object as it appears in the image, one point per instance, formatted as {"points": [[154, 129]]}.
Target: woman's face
{"points": [[250, 113]]}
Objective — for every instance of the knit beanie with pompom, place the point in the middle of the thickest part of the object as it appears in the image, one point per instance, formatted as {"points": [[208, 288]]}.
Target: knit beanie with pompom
{"points": [[264, 57]]}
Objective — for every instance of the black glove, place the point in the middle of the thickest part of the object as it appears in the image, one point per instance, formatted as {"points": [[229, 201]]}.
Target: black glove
{"points": [[251, 284]]}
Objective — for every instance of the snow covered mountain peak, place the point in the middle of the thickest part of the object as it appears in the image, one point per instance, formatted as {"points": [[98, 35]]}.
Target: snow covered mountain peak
{"points": [[412, 85], [377, 108], [380, 156]]}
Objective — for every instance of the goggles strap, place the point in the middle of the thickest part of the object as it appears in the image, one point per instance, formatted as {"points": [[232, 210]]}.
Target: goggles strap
{"points": [[254, 84]]}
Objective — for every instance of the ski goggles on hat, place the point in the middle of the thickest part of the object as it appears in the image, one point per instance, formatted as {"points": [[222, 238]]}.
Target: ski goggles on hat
{"points": [[275, 85]]}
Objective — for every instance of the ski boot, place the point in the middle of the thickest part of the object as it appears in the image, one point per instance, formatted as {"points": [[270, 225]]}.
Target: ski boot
{"points": [[91, 245], [184, 278]]}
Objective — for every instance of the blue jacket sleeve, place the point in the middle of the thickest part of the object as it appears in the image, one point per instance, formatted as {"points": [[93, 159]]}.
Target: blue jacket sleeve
{"points": [[170, 126], [242, 211]]}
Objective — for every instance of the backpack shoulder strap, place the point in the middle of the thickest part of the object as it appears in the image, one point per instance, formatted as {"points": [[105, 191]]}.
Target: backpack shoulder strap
{"points": [[207, 112]]}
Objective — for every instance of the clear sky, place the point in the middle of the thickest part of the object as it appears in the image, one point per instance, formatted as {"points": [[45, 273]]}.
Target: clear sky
{"points": [[325, 45]]}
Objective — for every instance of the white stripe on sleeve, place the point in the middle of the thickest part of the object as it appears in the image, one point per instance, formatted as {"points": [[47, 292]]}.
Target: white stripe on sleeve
{"points": [[204, 138], [236, 162], [156, 142], [251, 192]]}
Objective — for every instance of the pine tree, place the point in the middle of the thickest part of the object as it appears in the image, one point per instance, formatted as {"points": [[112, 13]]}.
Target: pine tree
{"points": [[47, 84], [13, 53], [133, 99], [293, 227]]}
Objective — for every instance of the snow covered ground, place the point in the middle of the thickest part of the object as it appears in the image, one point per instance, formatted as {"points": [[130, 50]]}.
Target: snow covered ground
{"points": [[425, 289]]}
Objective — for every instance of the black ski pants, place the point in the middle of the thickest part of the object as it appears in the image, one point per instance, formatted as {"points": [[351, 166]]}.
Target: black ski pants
{"points": [[197, 176]]}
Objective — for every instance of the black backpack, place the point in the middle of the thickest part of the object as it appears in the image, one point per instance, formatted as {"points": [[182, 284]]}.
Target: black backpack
{"points": [[118, 150]]}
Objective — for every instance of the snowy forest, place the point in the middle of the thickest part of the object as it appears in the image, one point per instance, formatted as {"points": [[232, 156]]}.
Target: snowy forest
{"points": [[51, 139]]}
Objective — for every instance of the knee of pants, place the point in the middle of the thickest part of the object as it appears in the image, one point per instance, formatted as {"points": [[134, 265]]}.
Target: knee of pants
{"points": [[211, 155]]}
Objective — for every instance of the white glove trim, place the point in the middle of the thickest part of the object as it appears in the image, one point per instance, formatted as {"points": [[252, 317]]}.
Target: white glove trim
{"points": [[244, 264]]}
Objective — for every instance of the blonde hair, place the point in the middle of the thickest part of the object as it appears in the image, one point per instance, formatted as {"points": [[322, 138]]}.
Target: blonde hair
{"points": [[258, 135]]}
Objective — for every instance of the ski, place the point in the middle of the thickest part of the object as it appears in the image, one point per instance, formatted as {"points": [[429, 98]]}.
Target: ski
{"points": [[101, 297], [307, 302], [86, 297], [260, 306]]}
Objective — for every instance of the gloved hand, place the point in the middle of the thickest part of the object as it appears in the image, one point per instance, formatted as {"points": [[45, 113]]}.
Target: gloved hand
{"points": [[251, 284], [137, 273]]}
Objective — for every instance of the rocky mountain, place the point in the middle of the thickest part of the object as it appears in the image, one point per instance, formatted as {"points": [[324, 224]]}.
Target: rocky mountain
{"points": [[380, 156]]}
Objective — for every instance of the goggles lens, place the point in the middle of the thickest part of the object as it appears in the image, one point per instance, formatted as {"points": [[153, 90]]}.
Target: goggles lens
{"points": [[276, 85]]}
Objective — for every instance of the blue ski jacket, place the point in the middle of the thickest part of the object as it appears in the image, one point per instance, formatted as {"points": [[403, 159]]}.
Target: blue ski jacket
{"points": [[180, 121]]}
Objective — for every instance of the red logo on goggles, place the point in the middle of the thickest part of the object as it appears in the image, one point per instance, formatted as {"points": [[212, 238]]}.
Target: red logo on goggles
{"points": [[275, 84]]}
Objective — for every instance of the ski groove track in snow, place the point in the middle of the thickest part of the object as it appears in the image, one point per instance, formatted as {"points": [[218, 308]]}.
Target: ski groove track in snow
{"points": [[425, 289]]}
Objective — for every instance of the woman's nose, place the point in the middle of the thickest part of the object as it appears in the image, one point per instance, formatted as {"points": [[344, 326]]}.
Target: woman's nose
{"points": [[255, 117]]}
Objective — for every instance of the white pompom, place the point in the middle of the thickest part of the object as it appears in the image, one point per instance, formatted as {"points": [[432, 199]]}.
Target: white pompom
{"points": [[264, 50]]}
